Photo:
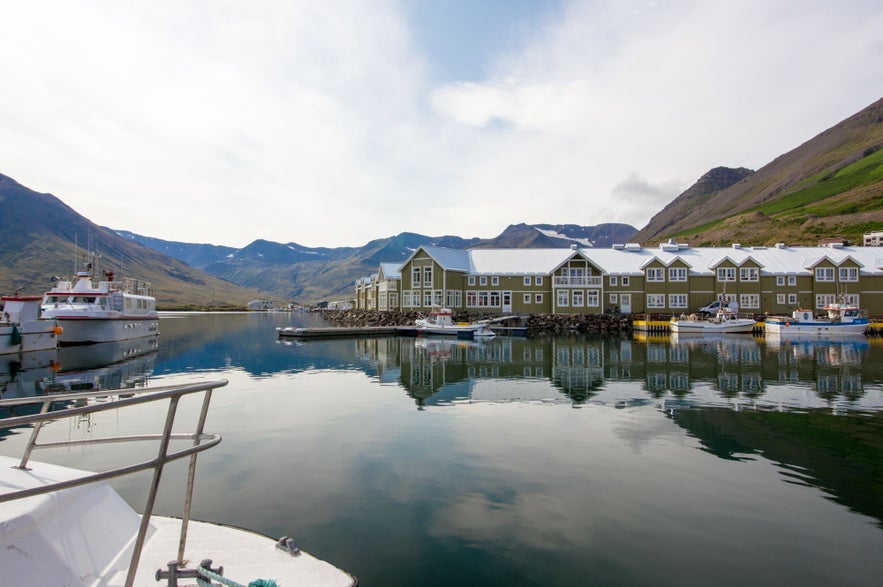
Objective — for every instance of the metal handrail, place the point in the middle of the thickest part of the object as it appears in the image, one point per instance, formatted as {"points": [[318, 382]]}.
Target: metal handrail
{"points": [[201, 442]]}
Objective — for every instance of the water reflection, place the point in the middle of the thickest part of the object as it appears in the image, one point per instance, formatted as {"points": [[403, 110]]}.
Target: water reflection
{"points": [[733, 371]]}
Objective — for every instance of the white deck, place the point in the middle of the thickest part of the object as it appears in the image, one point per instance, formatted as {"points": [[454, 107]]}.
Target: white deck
{"points": [[85, 535]]}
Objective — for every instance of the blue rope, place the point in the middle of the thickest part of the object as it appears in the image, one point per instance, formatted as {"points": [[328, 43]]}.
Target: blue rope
{"points": [[212, 576]]}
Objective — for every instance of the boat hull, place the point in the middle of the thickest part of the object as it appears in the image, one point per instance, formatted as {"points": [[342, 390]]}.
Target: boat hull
{"points": [[89, 330], [817, 328], [35, 335], [740, 326]]}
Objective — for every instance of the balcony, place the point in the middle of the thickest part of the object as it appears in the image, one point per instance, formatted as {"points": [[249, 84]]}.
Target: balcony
{"points": [[577, 281]]}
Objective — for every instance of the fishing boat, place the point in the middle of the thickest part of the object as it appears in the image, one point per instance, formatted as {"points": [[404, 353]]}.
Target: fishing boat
{"points": [[64, 526], [441, 321], [839, 319], [91, 311], [22, 330], [724, 321]]}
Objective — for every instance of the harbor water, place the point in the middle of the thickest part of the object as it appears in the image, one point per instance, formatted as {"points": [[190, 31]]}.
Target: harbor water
{"points": [[626, 460]]}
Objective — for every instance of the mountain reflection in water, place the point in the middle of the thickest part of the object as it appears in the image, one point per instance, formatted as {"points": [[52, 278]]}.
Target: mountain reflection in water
{"points": [[627, 460]]}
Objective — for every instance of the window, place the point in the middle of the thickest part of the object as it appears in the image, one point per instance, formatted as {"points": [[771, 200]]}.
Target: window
{"points": [[471, 299], [792, 280], [613, 281], [677, 274], [593, 298], [538, 280], [655, 274], [748, 274], [677, 300], [438, 297], [470, 280], [427, 276], [427, 298], [780, 298], [495, 299], [527, 280], [655, 300], [625, 281], [851, 299], [780, 280], [577, 298], [495, 280], [792, 299], [823, 300], [538, 299], [824, 274], [415, 275], [482, 280], [614, 298], [749, 301], [726, 274], [406, 299], [483, 299], [526, 298], [563, 298], [848, 273]]}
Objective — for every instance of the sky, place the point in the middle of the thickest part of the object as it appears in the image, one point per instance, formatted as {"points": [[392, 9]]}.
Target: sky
{"points": [[334, 123]]}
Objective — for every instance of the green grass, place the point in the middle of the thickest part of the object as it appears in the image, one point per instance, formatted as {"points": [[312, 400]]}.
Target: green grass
{"points": [[867, 171]]}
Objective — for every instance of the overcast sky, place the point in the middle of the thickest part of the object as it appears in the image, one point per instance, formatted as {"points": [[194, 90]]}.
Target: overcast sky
{"points": [[332, 123]]}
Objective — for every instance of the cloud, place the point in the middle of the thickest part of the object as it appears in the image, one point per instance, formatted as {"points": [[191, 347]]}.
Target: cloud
{"points": [[331, 124]]}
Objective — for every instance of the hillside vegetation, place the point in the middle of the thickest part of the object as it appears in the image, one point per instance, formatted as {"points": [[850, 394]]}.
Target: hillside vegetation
{"points": [[831, 186]]}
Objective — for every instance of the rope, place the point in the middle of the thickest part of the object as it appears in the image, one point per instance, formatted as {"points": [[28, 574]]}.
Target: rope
{"points": [[212, 576]]}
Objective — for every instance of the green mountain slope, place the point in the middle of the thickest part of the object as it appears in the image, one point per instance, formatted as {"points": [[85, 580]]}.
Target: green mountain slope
{"points": [[830, 186]]}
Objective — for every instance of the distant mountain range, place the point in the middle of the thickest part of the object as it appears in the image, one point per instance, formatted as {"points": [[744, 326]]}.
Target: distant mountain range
{"points": [[831, 185], [294, 272]]}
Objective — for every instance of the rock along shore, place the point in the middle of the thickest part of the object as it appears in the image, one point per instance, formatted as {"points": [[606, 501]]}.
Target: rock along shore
{"points": [[536, 324]]}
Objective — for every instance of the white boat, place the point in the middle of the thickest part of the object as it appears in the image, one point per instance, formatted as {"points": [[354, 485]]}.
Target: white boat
{"points": [[106, 311], [839, 320], [22, 330], [724, 321], [441, 321], [63, 526]]}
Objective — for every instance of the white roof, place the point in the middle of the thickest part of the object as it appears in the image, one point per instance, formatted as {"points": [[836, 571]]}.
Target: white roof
{"points": [[517, 261]]}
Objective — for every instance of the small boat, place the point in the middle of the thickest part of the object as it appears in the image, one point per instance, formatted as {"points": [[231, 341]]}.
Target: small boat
{"points": [[106, 311], [724, 321], [839, 319], [441, 321], [22, 330], [64, 526]]}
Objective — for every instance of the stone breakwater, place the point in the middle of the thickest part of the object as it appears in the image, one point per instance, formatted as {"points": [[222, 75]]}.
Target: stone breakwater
{"points": [[536, 324]]}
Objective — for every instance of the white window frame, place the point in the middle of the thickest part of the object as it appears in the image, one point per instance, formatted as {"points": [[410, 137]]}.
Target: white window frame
{"points": [[678, 300], [563, 298], [792, 298], [495, 280], [538, 298], [538, 280], [780, 299], [470, 280], [593, 298], [613, 280], [527, 280], [577, 298], [847, 273], [655, 274], [416, 273], [655, 301], [527, 298], [625, 281], [725, 274], [780, 280], [614, 298], [749, 301], [677, 274], [825, 274], [427, 276], [749, 274], [823, 300], [792, 280], [482, 280]]}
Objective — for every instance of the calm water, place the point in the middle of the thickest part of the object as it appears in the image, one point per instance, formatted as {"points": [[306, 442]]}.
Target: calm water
{"points": [[552, 461]]}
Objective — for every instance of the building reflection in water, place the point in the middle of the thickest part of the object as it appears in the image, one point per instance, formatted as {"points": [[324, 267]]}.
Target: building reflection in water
{"points": [[735, 371]]}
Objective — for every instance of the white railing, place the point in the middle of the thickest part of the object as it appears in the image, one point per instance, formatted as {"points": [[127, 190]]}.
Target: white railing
{"points": [[577, 281]]}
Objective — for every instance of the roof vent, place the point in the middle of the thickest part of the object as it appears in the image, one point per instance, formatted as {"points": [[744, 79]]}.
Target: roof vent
{"points": [[835, 245], [780, 245], [573, 247], [618, 246], [633, 246], [737, 246]]}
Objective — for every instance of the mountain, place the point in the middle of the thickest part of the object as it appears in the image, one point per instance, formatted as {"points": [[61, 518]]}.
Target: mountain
{"points": [[42, 237], [294, 272], [831, 185]]}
